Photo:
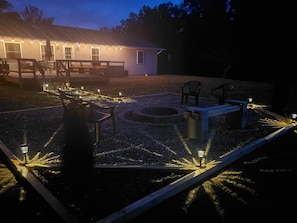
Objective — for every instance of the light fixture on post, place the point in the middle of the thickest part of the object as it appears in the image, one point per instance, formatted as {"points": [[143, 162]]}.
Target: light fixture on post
{"points": [[45, 87], [250, 102], [201, 154], [24, 149]]}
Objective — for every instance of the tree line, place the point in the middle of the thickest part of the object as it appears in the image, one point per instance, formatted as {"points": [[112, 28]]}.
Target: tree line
{"points": [[240, 39]]}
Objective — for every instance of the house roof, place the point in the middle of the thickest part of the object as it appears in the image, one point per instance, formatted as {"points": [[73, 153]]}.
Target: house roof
{"points": [[21, 29]]}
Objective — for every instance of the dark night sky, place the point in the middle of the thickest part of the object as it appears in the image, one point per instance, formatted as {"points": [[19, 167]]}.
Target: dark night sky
{"points": [[90, 14]]}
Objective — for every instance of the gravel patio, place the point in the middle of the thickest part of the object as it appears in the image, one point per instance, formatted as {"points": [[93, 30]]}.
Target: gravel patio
{"points": [[141, 143]]}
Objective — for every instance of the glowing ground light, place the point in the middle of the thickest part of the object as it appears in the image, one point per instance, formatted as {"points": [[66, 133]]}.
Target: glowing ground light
{"points": [[225, 181], [7, 179]]}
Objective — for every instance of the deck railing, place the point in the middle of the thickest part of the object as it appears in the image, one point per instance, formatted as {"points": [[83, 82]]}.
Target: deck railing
{"points": [[104, 68], [64, 69], [22, 66]]}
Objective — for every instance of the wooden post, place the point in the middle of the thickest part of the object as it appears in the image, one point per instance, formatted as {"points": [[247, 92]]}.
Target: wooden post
{"points": [[97, 132], [20, 74]]}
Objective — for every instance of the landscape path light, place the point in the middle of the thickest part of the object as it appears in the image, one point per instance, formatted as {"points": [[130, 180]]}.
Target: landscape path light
{"points": [[45, 87], [25, 149], [201, 154], [250, 101]]}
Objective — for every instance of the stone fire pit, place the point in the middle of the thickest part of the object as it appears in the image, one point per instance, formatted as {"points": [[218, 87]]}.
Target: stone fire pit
{"points": [[158, 115]]}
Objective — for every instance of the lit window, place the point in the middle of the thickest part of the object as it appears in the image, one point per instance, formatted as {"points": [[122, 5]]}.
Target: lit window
{"points": [[95, 54], [13, 50], [68, 53]]}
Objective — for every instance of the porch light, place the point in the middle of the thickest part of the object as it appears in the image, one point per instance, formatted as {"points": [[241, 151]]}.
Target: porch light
{"points": [[25, 149], [201, 154]]}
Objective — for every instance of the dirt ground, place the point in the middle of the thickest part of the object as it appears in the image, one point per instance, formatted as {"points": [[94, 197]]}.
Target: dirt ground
{"points": [[11, 96]]}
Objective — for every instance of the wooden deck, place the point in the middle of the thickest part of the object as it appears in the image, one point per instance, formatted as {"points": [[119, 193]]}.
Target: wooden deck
{"points": [[28, 80], [29, 73]]}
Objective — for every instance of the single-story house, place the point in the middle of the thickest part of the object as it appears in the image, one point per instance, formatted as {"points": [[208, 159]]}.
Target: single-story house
{"points": [[20, 39]]}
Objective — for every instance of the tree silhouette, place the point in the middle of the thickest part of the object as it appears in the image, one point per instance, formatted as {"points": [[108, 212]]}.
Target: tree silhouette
{"points": [[5, 6], [34, 15]]}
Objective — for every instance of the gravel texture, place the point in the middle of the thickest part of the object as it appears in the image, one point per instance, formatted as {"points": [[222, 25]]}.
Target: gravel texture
{"points": [[136, 142]]}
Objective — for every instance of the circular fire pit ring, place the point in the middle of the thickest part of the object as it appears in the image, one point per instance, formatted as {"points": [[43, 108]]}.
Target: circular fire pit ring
{"points": [[157, 115]]}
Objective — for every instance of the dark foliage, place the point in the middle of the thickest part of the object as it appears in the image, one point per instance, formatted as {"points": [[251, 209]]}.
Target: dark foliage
{"points": [[244, 40], [77, 152]]}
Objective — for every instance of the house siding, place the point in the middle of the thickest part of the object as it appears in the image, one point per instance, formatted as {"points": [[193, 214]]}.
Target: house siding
{"points": [[112, 46], [148, 67], [32, 49]]}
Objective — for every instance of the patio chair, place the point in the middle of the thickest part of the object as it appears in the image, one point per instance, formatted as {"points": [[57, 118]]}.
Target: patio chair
{"points": [[97, 115], [222, 92], [191, 88], [91, 112]]}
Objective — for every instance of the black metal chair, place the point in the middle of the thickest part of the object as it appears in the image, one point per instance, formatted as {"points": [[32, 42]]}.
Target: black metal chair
{"points": [[222, 92], [191, 88]]}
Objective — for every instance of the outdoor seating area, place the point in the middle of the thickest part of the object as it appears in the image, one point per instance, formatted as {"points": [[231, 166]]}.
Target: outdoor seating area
{"points": [[191, 88], [94, 113], [198, 117], [222, 92], [144, 142], [197, 114]]}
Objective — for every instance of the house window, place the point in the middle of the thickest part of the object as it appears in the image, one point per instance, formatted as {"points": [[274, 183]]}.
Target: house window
{"points": [[68, 53], [140, 57], [95, 54], [13, 50], [43, 53]]}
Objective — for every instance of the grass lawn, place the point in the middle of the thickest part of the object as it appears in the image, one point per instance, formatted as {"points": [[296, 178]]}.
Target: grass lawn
{"points": [[11, 97]]}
